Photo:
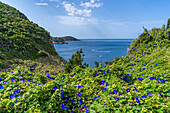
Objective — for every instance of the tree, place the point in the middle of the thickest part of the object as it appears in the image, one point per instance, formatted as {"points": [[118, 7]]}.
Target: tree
{"points": [[96, 64], [76, 60], [168, 23]]}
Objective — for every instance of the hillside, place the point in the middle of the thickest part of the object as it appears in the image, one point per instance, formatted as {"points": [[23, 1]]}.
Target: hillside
{"points": [[138, 82], [23, 42], [66, 38], [59, 41]]}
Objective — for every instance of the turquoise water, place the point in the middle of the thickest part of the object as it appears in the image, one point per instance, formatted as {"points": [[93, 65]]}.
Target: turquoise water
{"points": [[95, 49]]}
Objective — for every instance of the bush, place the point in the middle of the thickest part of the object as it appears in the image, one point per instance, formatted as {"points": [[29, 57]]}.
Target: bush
{"points": [[76, 60]]}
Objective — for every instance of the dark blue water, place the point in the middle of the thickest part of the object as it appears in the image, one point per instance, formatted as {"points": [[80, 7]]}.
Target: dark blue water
{"points": [[95, 49]]}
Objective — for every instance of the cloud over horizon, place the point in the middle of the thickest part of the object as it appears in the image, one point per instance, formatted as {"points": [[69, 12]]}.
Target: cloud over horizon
{"points": [[44, 4]]}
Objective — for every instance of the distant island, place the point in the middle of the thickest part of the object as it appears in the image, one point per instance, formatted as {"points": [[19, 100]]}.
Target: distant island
{"points": [[62, 40]]}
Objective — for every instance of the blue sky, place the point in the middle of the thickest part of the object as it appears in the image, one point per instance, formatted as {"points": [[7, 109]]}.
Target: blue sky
{"points": [[95, 19]]}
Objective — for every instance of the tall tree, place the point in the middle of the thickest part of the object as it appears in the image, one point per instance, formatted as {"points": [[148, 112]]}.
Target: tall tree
{"points": [[168, 23]]}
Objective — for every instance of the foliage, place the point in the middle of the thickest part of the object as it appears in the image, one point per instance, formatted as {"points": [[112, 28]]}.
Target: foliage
{"points": [[96, 64], [58, 40], [168, 23], [22, 39], [66, 38], [76, 60], [138, 82]]}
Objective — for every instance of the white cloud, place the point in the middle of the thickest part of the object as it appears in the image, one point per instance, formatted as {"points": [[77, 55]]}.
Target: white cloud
{"points": [[73, 10], [91, 4], [45, 4], [54, 0], [72, 20]]}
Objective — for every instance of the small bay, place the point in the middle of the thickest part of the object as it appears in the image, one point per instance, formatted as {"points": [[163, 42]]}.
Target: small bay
{"points": [[94, 49]]}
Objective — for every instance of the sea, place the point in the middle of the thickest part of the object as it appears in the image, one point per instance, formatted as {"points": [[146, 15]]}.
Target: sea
{"points": [[94, 49]]}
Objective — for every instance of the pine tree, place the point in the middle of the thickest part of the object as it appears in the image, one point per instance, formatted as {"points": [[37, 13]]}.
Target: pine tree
{"points": [[168, 23], [76, 60]]}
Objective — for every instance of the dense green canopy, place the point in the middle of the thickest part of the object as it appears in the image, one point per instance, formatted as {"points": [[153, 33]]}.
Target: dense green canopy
{"points": [[22, 39]]}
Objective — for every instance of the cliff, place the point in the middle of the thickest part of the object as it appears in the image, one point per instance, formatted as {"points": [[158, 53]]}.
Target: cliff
{"points": [[22, 40]]}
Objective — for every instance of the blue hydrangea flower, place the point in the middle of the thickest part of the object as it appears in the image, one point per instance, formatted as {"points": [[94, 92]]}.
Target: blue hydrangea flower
{"points": [[79, 86], [140, 79], [125, 78], [66, 108], [47, 75], [62, 95], [104, 72], [12, 96], [4, 82], [0, 79], [152, 78], [62, 105], [72, 101], [79, 94], [137, 100], [96, 73], [72, 111], [12, 104], [104, 89], [107, 84], [143, 68], [30, 74], [159, 94], [21, 76], [1, 87], [66, 100], [15, 92], [143, 96], [13, 80], [80, 102], [51, 77], [16, 101], [128, 90], [115, 92], [162, 80], [72, 75], [55, 87], [102, 82], [148, 93], [67, 96], [116, 98], [18, 90], [63, 75]]}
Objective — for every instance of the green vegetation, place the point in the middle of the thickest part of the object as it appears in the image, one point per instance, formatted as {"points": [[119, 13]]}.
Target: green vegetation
{"points": [[22, 40], [138, 82], [58, 40], [168, 23], [66, 38], [76, 60]]}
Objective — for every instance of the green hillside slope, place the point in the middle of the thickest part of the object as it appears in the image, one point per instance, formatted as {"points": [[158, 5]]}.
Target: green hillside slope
{"points": [[23, 41], [139, 82], [65, 38]]}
